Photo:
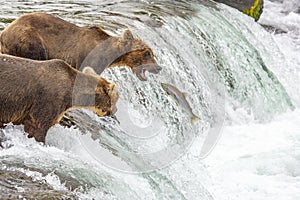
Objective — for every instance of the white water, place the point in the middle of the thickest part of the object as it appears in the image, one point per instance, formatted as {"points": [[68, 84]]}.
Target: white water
{"points": [[255, 158], [262, 161], [257, 161]]}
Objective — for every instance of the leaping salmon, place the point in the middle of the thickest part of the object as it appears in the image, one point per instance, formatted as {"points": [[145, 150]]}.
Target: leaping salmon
{"points": [[180, 99]]}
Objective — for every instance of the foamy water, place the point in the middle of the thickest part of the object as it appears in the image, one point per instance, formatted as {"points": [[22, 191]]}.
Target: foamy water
{"points": [[258, 153], [262, 161]]}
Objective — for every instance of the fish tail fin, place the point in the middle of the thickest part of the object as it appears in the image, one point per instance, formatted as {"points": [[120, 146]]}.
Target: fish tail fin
{"points": [[194, 118]]}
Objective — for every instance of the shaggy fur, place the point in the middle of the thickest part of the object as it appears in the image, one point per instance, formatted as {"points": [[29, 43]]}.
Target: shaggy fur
{"points": [[38, 93], [43, 36]]}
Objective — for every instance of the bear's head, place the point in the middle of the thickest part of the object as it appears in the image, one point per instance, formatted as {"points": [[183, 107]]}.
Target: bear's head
{"points": [[138, 56], [106, 98], [94, 93]]}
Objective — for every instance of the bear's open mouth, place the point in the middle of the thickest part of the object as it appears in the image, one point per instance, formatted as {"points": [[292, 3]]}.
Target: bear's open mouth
{"points": [[142, 75], [141, 70]]}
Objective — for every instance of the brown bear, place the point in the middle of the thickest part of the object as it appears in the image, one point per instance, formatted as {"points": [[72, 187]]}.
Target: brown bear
{"points": [[43, 36], [38, 93]]}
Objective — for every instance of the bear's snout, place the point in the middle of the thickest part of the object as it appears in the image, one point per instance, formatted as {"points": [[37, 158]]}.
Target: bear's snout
{"points": [[157, 69], [152, 68], [114, 96], [113, 92]]}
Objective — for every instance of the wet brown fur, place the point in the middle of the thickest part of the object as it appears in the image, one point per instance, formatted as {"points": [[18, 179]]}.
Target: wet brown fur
{"points": [[43, 36], [38, 93]]}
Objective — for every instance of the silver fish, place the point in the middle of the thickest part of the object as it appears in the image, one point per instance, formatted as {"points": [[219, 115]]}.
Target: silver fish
{"points": [[180, 99]]}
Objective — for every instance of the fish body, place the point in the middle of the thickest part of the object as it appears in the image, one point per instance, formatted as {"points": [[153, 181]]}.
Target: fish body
{"points": [[180, 99]]}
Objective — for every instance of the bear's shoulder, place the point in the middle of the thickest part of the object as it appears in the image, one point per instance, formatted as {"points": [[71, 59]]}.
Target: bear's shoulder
{"points": [[98, 31]]}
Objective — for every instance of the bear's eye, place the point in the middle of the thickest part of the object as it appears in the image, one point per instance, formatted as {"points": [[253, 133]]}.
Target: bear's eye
{"points": [[147, 54]]}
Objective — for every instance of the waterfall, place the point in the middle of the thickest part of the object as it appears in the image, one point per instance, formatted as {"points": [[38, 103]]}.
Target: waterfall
{"points": [[207, 50]]}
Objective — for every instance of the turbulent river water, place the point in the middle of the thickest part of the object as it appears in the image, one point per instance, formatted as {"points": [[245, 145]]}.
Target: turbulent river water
{"points": [[229, 67]]}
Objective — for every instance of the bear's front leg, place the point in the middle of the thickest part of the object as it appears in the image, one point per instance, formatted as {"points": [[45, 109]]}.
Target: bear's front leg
{"points": [[39, 134], [2, 125], [35, 129]]}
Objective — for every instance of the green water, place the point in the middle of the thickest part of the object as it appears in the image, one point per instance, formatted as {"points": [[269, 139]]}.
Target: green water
{"points": [[201, 51]]}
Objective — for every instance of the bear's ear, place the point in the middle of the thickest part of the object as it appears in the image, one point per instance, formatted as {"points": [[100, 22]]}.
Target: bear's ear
{"points": [[89, 70], [127, 35]]}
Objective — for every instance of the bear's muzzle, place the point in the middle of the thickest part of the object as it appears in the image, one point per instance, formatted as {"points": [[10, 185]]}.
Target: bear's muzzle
{"points": [[152, 68]]}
